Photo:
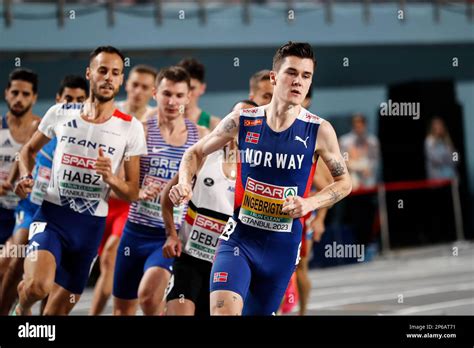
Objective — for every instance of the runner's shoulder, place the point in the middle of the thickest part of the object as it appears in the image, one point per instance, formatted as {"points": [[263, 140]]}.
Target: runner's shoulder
{"points": [[258, 111], [307, 116]]}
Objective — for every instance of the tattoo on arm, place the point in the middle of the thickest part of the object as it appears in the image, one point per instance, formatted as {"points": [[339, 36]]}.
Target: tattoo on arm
{"points": [[335, 196], [220, 304], [336, 168], [229, 125]]}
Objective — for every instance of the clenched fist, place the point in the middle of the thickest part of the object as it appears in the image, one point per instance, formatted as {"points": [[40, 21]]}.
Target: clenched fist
{"points": [[296, 206], [180, 193]]}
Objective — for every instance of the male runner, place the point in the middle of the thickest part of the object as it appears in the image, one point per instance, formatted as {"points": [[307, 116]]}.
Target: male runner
{"points": [[280, 144], [141, 272], [73, 89], [193, 112], [92, 141], [140, 87], [16, 127], [261, 89], [208, 211]]}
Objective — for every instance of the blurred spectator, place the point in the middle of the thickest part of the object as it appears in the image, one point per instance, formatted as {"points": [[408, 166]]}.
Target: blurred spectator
{"points": [[363, 153], [439, 151], [361, 150]]}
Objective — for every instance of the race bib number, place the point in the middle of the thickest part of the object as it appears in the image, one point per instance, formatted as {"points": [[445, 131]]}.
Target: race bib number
{"points": [[41, 184], [202, 242], [35, 228], [229, 229], [262, 206]]}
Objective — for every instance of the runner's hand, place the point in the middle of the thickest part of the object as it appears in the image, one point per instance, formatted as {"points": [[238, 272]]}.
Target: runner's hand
{"points": [[172, 247], [149, 192], [296, 206], [24, 186], [103, 166], [5, 187], [180, 193]]}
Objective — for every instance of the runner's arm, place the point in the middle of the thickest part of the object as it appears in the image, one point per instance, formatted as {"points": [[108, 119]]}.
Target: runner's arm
{"points": [[15, 170], [327, 148], [26, 160], [167, 208], [26, 163], [194, 156], [127, 188]]}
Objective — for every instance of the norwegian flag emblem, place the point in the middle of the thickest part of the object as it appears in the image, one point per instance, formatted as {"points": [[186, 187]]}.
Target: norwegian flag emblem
{"points": [[252, 137], [220, 277]]}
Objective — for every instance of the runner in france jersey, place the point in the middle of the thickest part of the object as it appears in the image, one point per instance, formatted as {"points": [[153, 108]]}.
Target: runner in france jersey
{"points": [[139, 88], [73, 89], [93, 139], [279, 144], [208, 211], [141, 272]]}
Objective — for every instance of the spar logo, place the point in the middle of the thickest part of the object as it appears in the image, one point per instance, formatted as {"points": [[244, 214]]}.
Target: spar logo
{"points": [[78, 161], [264, 189], [151, 180], [209, 224], [290, 191]]}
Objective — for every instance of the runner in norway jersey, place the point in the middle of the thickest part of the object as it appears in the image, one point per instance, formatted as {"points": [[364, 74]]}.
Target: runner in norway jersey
{"points": [[71, 219], [272, 166], [144, 232]]}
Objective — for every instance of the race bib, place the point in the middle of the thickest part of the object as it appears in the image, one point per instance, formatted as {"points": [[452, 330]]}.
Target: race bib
{"points": [[262, 206], [77, 178], [204, 236], [10, 199], [41, 184]]}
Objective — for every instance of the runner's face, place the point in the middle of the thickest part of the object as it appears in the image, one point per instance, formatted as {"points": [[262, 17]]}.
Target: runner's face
{"points": [[105, 74], [20, 97], [263, 94], [293, 79], [196, 91], [139, 88], [172, 98], [72, 95]]}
